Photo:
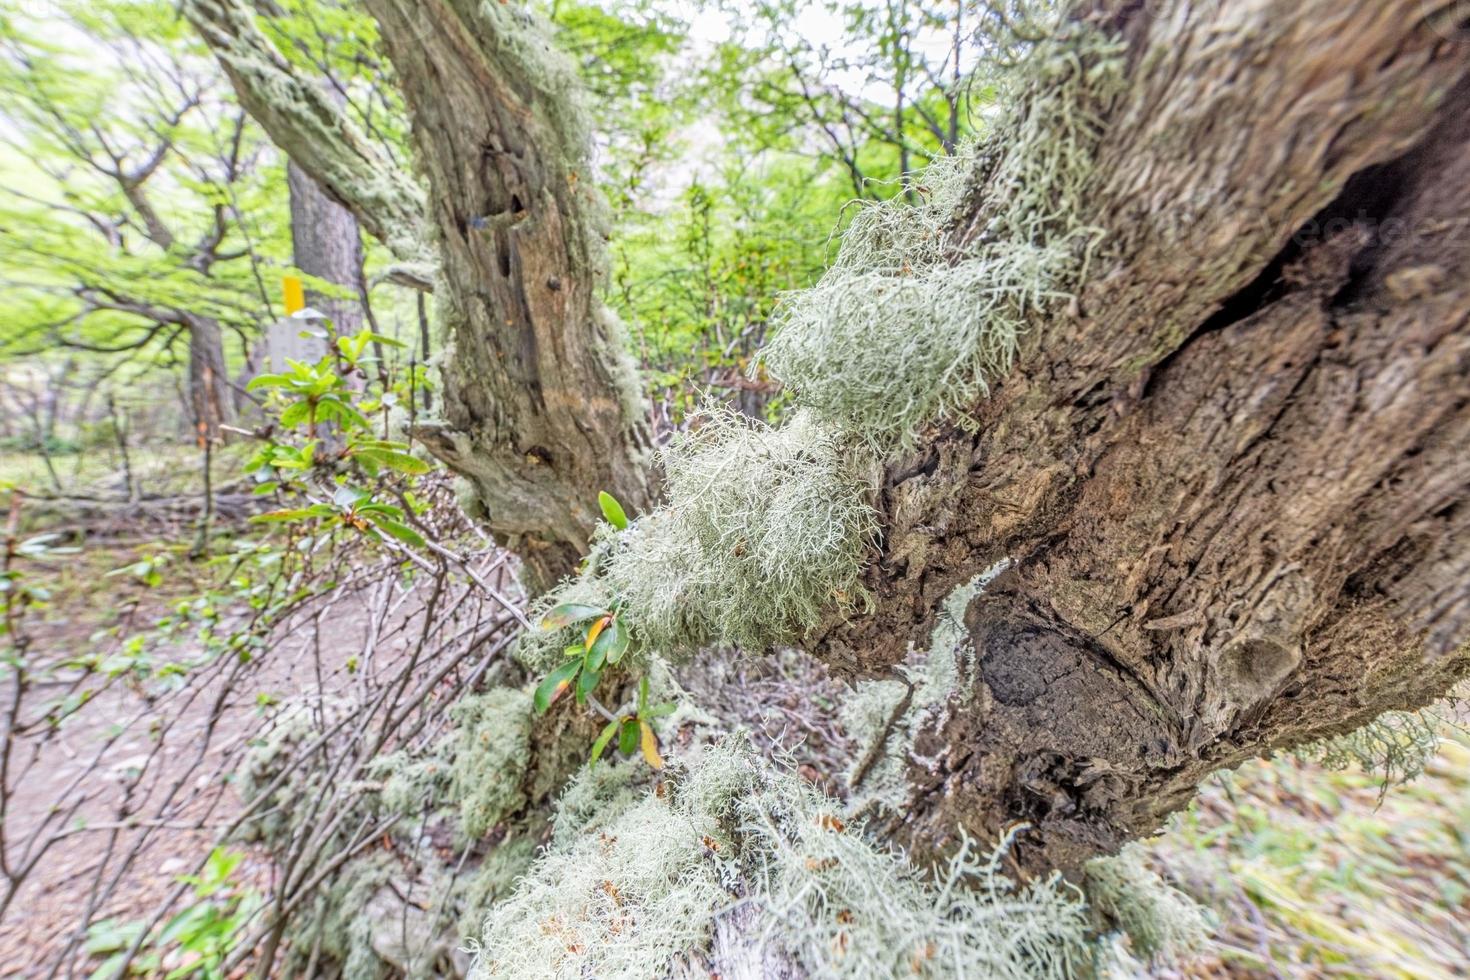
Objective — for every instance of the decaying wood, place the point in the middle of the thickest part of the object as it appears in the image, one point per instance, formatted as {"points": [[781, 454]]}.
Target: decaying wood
{"points": [[1232, 478], [540, 410]]}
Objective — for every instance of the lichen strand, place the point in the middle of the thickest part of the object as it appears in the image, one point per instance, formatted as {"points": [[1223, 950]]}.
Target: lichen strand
{"points": [[763, 531], [907, 325], [645, 891], [1396, 745], [940, 677], [1158, 919]]}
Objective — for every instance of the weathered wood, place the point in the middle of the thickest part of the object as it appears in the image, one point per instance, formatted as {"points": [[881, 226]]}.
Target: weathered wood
{"points": [[1232, 477], [541, 405]]}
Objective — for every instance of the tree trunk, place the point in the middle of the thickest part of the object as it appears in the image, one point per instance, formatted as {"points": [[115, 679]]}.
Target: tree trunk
{"points": [[210, 400], [325, 244], [541, 405], [1230, 476], [1231, 479]]}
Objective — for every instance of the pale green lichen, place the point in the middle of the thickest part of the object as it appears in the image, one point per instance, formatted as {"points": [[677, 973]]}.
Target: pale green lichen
{"points": [[763, 531], [333, 926], [491, 750], [909, 324], [1396, 745], [1158, 919], [475, 894], [270, 778], [596, 798], [645, 892], [410, 785]]}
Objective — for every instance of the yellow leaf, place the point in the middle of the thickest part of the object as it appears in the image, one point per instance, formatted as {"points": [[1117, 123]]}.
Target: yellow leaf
{"points": [[597, 628], [649, 744]]}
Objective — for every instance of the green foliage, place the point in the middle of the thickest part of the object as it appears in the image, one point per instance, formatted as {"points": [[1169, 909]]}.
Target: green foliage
{"points": [[201, 935], [136, 194]]}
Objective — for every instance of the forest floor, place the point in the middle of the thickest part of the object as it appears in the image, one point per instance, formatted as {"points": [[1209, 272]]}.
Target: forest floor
{"points": [[1311, 873]]}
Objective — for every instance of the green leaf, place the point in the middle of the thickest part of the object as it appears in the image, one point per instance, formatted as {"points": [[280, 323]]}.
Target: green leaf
{"points": [[609, 646], [268, 381], [346, 496], [586, 684], [555, 685], [295, 414], [612, 510], [616, 637], [628, 736], [402, 532], [394, 460], [600, 746], [569, 613], [282, 516]]}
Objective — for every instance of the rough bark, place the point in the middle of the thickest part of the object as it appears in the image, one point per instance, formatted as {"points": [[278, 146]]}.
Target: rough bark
{"points": [[1232, 477], [541, 406]]}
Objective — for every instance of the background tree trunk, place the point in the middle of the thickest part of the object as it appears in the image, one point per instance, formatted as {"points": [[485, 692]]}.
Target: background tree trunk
{"points": [[325, 244], [210, 398], [1232, 479]]}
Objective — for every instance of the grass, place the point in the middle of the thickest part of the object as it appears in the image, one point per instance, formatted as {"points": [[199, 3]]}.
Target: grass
{"points": [[1313, 877]]}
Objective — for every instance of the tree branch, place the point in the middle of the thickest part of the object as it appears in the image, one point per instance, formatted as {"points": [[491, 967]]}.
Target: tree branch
{"points": [[317, 134]]}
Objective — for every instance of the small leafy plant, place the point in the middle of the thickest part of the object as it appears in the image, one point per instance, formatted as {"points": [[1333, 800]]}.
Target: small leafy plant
{"points": [[633, 731], [197, 941], [605, 641]]}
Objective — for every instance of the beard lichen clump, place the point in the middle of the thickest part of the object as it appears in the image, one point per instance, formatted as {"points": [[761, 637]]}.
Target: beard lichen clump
{"points": [[644, 892], [763, 532], [491, 750], [1157, 918], [915, 315], [1397, 745]]}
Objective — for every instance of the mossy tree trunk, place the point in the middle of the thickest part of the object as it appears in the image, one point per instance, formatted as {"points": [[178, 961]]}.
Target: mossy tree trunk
{"points": [[1232, 479], [540, 404]]}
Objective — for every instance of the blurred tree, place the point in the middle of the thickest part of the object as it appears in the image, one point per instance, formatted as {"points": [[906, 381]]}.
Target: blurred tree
{"points": [[136, 211]]}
